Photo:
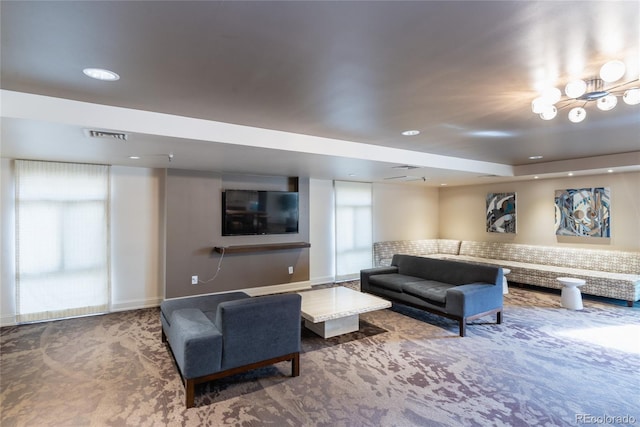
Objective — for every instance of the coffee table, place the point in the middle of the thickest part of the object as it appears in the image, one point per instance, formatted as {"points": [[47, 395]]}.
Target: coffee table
{"points": [[335, 311]]}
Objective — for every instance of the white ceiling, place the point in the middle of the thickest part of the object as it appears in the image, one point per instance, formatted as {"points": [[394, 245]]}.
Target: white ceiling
{"points": [[319, 89]]}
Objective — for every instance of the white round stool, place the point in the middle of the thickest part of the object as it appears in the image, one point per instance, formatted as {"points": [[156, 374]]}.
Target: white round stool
{"points": [[571, 298], [505, 285]]}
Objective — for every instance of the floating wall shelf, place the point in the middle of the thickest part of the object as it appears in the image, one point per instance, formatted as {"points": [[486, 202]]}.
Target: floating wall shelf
{"points": [[237, 249]]}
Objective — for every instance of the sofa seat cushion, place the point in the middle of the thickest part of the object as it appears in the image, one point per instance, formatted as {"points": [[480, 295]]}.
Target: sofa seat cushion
{"points": [[393, 282], [428, 290]]}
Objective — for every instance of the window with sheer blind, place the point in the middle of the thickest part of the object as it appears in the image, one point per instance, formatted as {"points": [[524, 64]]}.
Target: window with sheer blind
{"points": [[354, 228], [62, 240]]}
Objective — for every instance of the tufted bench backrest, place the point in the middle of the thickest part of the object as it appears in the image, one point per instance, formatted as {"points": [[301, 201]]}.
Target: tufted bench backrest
{"points": [[384, 251], [588, 259]]}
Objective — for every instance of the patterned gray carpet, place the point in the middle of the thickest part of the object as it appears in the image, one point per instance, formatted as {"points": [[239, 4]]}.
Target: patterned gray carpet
{"points": [[544, 366]]}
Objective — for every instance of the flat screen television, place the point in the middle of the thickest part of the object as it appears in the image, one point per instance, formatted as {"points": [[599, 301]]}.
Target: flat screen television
{"points": [[247, 212]]}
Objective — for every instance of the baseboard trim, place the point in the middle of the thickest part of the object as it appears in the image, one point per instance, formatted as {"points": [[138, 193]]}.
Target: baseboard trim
{"points": [[277, 289], [8, 320], [136, 304], [322, 280]]}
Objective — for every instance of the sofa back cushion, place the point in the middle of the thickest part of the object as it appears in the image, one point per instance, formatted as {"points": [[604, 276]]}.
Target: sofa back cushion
{"points": [[384, 251], [492, 250], [448, 246], [259, 328], [446, 271], [588, 259]]}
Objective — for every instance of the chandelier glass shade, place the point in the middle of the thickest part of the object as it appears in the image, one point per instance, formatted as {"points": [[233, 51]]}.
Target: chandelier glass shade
{"points": [[578, 94], [577, 114]]}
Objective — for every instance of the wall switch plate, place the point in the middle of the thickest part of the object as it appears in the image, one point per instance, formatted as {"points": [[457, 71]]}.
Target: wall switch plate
{"points": [[194, 280], [290, 269]]}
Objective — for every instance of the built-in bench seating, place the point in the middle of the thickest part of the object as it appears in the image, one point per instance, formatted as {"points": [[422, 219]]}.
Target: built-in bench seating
{"points": [[611, 274]]}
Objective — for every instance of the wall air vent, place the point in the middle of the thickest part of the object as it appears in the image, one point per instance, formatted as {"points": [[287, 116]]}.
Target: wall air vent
{"points": [[92, 133]]}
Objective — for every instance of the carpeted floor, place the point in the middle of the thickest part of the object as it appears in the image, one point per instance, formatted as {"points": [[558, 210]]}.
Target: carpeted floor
{"points": [[544, 366]]}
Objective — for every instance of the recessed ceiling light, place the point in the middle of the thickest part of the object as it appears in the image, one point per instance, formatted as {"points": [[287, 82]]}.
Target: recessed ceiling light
{"points": [[134, 157], [610, 170], [443, 184], [411, 132], [352, 174], [101, 74], [536, 177], [535, 157], [570, 174]]}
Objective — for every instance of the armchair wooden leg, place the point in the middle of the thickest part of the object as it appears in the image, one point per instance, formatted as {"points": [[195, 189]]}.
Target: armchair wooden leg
{"points": [[295, 365], [463, 325], [189, 391]]}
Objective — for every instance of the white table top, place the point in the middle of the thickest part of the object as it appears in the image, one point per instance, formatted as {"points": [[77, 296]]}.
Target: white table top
{"points": [[325, 304], [571, 281]]}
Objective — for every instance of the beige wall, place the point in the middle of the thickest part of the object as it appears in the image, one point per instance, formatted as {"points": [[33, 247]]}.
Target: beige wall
{"points": [[462, 211], [402, 212], [137, 237]]}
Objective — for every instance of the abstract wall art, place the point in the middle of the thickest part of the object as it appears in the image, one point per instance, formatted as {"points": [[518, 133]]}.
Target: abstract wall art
{"points": [[501, 212], [583, 212]]}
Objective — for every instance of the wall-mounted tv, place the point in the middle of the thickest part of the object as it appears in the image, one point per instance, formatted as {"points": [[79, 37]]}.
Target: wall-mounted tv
{"points": [[247, 212]]}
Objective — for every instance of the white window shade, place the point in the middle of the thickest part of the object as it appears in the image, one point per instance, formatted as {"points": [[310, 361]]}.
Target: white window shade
{"points": [[62, 244], [354, 223]]}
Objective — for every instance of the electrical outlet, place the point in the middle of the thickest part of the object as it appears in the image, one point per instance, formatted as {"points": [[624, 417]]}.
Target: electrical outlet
{"points": [[290, 269], [194, 280]]}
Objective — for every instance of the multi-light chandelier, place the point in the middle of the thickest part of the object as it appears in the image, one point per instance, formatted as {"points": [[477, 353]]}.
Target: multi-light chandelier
{"points": [[603, 90]]}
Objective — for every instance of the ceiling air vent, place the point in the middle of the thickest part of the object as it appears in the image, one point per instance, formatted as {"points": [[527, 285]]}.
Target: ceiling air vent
{"points": [[92, 133], [406, 178], [406, 167]]}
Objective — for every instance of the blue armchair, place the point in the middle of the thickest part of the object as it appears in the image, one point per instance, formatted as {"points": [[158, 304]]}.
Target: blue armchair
{"points": [[213, 336]]}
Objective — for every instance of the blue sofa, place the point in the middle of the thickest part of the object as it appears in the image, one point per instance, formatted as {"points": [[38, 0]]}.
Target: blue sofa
{"points": [[458, 290], [213, 336]]}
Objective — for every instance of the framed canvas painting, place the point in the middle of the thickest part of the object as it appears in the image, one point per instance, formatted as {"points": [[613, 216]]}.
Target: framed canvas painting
{"points": [[501, 213], [583, 212]]}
